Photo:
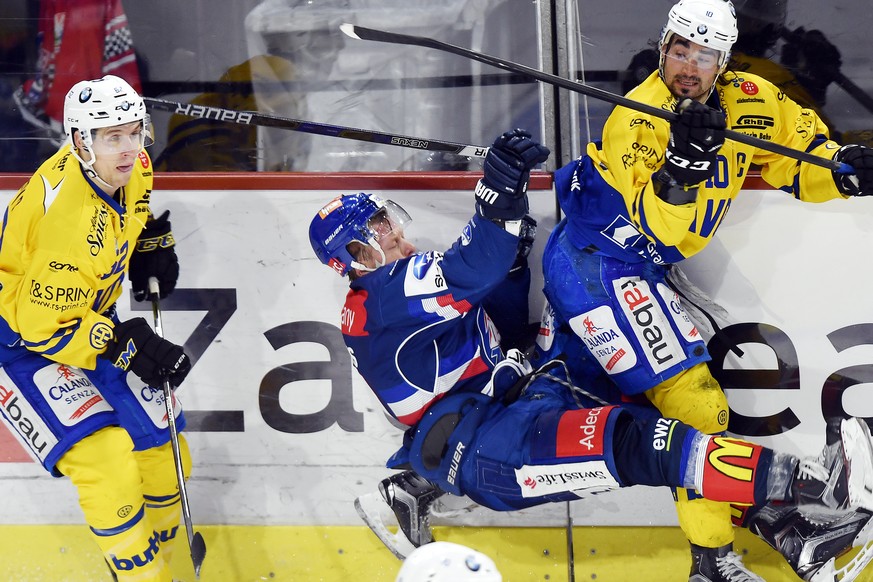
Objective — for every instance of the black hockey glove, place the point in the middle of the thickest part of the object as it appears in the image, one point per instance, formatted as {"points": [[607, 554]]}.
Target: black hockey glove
{"points": [[695, 138], [861, 182], [527, 234], [154, 256], [501, 194], [138, 349]]}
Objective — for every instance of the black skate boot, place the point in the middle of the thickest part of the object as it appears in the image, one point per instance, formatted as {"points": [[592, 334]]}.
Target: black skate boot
{"points": [[812, 542], [409, 497], [841, 477], [719, 565]]}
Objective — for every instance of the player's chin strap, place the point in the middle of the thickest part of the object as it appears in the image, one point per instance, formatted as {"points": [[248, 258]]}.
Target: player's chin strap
{"points": [[362, 267], [88, 167]]}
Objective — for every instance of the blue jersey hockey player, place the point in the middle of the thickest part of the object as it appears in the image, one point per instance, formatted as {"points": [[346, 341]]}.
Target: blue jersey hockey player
{"points": [[480, 425]]}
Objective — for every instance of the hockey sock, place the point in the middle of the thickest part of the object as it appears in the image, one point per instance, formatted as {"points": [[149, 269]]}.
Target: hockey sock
{"points": [[727, 469], [695, 398], [780, 476], [103, 469], [161, 491]]}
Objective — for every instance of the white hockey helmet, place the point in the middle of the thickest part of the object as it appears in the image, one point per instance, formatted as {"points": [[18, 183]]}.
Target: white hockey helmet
{"points": [[105, 102], [709, 23], [448, 562]]}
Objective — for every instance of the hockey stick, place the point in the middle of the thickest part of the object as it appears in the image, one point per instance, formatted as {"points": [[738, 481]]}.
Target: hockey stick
{"points": [[571, 554], [195, 540], [359, 32], [254, 118]]}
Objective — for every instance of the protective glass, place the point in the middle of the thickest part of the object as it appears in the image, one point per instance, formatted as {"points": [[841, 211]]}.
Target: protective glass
{"points": [[704, 59], [115, 140], [386, 220]]}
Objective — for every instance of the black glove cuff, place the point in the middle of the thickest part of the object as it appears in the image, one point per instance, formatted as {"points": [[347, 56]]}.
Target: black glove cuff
{"points": [[670, 191], [160, 242]]}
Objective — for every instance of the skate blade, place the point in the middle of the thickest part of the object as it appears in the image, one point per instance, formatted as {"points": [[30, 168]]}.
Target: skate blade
{"points": [[369, 507], [859, 457], [848, 572]]}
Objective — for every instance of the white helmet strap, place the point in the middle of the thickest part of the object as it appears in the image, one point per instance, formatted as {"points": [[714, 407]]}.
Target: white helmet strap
{"points": [[362, 267], [88, 167]]}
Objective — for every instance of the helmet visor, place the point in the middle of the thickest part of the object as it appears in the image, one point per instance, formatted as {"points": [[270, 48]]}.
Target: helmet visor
{"points": [[123, 138], [386, 220], [685, 52]]}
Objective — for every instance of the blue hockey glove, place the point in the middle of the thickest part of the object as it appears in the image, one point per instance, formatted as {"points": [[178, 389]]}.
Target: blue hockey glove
{"points": [[695, 138], [861, 182], [501, 194]]}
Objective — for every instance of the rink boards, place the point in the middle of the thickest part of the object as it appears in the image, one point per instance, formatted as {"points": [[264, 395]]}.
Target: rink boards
{"points": [[284, 434]]}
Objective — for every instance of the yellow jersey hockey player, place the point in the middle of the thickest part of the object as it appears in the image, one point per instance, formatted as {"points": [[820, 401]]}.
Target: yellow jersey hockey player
{"points": [[78, 387], [652, 193]]}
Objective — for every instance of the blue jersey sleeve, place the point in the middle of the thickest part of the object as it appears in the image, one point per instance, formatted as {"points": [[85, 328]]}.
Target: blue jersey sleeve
{"points": [[416, 328]]}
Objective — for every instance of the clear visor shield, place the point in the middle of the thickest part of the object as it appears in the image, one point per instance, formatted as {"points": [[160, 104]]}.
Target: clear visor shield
{"points": [[686, 53], [123, 138], [388, 219]]}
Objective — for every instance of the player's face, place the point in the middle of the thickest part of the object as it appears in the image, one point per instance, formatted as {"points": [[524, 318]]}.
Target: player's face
{"points": [[390, 238], [116, 149], [690, 69]]}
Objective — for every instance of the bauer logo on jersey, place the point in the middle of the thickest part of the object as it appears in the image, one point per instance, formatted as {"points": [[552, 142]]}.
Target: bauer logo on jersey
{"points": [[582, 479], [70, 393], [622, 232], [28, 426], [424, 275], [649, 322], [604, 339], [680, 316]]}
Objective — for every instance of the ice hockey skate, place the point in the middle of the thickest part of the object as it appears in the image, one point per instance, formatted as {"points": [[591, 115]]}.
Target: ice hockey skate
{"points": [[719, 565], [409, 498], [842, 476], [811, 543]]}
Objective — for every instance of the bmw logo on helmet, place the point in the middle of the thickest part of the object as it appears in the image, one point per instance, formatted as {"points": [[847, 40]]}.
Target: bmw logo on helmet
{"points": [[125, 105], [85, 95], [702, 29]]}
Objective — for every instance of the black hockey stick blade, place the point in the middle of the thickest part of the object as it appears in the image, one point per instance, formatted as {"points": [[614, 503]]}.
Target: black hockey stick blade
{"points": [[363, 33], [265, 120], [198, 553]]}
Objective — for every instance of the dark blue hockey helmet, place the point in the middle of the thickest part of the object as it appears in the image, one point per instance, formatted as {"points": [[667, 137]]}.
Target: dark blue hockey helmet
{"points": [[352, 218]]}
